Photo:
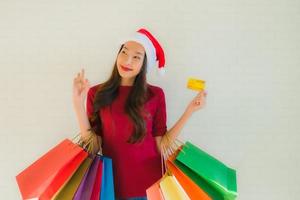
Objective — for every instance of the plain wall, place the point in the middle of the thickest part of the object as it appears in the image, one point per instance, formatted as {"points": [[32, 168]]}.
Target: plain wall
{"points": [[247, 51]]}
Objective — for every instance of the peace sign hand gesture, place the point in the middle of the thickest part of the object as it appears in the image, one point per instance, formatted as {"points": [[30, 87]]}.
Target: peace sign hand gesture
{"points": [[81, 87]]}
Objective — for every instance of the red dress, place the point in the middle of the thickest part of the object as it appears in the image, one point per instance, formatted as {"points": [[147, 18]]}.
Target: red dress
{"points": [[136, 166]]}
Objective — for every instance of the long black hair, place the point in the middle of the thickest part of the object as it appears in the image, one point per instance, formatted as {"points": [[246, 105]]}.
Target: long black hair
{"points": [[108, 91]]}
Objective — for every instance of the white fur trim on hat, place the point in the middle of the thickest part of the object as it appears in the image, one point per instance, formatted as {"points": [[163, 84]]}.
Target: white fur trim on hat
{"points": [[148, 46]]}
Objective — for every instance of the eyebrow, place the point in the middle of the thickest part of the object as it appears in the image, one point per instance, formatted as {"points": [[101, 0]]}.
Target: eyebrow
{"points": [[137, 52]]}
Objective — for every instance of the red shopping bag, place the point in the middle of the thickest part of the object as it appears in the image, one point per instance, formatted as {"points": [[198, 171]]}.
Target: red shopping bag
{"points": [[97, 185], [43, 178]]}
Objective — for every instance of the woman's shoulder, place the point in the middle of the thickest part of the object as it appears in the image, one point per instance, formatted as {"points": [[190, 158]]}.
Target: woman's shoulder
{"points": [[94, 88], [156, 90], [154, 87]]}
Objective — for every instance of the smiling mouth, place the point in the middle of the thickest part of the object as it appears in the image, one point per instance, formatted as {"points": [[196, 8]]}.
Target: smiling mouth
{"points": [[125, 68]]}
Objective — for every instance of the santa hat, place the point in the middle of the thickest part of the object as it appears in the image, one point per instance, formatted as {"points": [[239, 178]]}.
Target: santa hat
{"points": [[154, 51]]}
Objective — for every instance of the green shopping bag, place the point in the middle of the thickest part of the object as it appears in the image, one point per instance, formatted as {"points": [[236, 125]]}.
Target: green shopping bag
{"points": [[205, 186], [196, 162]]}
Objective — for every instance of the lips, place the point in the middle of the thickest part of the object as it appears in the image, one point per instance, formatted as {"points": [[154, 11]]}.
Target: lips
{"points": [[125, 68]]}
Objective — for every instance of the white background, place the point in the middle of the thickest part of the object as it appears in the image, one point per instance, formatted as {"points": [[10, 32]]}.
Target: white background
{"points": [[247, 51]]}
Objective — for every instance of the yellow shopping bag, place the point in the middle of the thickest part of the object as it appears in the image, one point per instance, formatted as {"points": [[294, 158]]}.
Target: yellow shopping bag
{"points": [[172, 190]]}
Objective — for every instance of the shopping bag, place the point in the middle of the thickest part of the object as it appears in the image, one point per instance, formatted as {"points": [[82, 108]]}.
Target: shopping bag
{"points": [[97, 185], [171, 189], [154, 192], [195, 162], [191, 188], [43, 178], [203, 184], [174, 184], [69, 189], [107, 186], [99, 191], [85, 189]]}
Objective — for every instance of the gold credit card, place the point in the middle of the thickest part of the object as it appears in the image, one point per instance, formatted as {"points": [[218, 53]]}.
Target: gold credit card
{"points": [[196, 84]]}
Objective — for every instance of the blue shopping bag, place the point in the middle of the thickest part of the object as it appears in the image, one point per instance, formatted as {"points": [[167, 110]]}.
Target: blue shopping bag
{"points": [[107, 188]]}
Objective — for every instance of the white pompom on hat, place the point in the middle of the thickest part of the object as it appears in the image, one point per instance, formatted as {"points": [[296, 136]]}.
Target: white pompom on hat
{"points": [[154, 51]]}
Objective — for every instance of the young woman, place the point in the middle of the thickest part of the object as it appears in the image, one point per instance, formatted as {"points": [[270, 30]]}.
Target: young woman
{"points": [[125, 117]]}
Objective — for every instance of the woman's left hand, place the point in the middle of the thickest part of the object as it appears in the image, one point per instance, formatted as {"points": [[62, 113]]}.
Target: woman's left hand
{"points": [[198, 102]]}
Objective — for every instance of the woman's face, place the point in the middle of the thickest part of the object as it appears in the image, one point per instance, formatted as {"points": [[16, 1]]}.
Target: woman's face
{"points": [[130, 60]]}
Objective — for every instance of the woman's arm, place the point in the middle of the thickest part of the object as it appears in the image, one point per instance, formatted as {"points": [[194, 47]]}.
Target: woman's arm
{"points": [[197, 103], [80, 89], [172, 134], [82, 120]]}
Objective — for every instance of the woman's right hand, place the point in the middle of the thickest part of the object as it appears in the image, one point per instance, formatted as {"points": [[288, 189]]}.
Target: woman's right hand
{"points": [[81, 87]]}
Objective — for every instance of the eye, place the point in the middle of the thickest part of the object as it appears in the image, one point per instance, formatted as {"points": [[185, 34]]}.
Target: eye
{"points": [[123, 52], [137, 57]]}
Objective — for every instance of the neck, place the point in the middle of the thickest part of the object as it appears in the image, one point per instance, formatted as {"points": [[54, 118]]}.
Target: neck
{"points": [[127, 82]]}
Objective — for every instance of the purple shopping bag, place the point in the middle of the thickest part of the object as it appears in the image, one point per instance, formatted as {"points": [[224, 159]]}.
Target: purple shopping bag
{"points": [[86, 186]]}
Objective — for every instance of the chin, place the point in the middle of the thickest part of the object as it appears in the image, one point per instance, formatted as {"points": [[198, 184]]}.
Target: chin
{"points": [[126, 74]]}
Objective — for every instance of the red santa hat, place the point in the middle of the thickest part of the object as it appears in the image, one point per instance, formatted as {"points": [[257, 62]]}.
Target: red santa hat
{"points": [[153, 49]]}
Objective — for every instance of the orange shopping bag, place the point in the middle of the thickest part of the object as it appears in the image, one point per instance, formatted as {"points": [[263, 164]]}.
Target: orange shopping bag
{"points": [[191, 188], [43, 178]]}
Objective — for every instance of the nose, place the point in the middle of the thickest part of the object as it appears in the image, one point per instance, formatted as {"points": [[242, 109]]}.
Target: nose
{"points": [[128, 61]]}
